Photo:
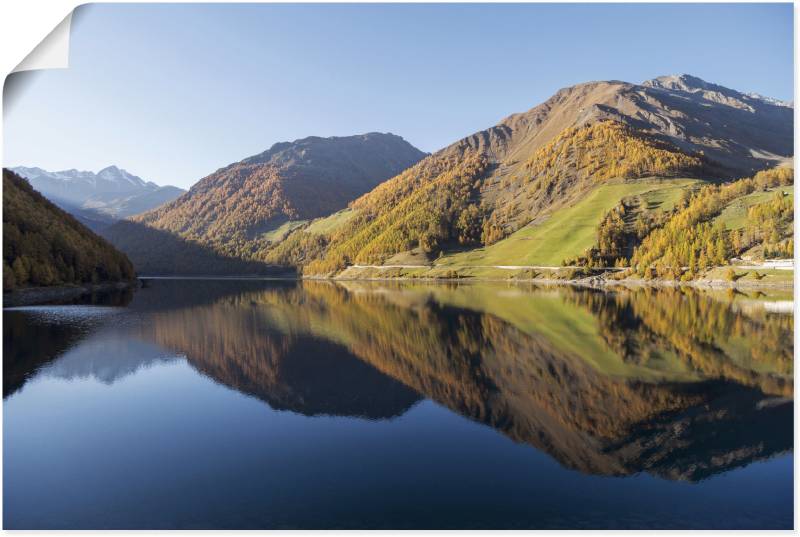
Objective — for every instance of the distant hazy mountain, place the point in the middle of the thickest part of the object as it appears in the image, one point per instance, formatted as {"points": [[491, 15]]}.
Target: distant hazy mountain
{"points": [[237, 207], [91, 218], [105, 196]]}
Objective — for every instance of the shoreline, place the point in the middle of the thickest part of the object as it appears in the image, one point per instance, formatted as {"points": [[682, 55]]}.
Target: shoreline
{"points": [[595, 281], [220, 277], [36, 296], [590, 282], [44, 295]]}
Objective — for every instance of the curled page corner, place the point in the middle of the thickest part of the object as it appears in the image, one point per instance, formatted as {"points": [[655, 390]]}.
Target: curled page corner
{"points": [[52, 52]]}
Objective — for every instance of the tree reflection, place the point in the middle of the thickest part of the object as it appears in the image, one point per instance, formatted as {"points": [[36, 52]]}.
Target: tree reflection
{"points": [[672, 382], [699, 386]]}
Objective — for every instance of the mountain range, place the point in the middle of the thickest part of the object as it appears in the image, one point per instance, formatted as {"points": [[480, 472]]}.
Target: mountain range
{"points": [[518, 174], [99, 199], [583, 177], [247, 205]]}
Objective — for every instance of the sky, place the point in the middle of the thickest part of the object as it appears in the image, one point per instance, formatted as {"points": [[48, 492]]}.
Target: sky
{"points": [[172, 92]]}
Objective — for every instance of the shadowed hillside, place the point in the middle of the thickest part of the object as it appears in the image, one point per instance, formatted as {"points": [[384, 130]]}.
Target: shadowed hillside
{"points": [[43, 245], [157, 252]]}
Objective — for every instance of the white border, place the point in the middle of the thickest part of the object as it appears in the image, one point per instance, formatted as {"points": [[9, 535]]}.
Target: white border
{"points": [[23, 26]]}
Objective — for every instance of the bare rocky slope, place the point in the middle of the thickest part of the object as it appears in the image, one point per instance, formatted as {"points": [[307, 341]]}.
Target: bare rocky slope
{"points": [[740, 132]]}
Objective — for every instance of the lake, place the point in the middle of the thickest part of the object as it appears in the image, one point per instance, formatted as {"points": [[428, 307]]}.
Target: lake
{"points": [[281, 404]]}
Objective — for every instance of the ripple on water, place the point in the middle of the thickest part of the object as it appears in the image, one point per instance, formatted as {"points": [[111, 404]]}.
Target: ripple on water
{"points": [[72, 314]]}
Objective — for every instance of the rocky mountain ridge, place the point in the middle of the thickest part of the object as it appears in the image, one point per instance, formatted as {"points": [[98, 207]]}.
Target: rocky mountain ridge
{"points": [[105, 196]]}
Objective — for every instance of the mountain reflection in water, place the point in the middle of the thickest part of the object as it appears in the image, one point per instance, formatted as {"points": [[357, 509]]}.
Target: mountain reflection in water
{"points": [[675, 383]]}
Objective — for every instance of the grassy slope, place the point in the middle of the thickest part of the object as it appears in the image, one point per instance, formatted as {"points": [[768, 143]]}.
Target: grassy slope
{"points": [[735, 215], [571, 230], [280, 232], [325, 226]]}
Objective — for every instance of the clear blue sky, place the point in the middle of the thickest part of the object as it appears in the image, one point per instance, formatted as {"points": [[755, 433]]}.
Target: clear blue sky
{"points": [[173, 92]]}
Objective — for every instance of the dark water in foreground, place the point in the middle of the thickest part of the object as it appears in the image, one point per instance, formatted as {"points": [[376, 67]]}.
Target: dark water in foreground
{"points": [[223, 404]]}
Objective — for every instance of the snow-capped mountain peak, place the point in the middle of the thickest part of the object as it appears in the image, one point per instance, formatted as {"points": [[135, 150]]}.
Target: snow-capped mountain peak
{"points": [[770, 100], [111, 190], [119, 176], [691, 85]]}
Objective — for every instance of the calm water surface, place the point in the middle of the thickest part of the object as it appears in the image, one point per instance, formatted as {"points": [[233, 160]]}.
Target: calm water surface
{"points": [[224, 404]]}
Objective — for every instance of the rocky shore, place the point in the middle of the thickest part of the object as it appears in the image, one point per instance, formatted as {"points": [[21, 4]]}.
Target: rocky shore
{"points": [[45, 295]]}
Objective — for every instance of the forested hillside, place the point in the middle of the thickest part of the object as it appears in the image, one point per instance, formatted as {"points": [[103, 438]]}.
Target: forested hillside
{"points": [[449, 200], [693, 239], [499, 185], [707, 227], [238, 210], [43, 245]]}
